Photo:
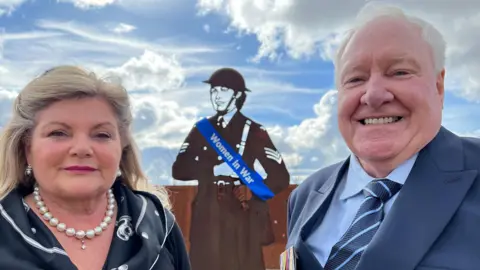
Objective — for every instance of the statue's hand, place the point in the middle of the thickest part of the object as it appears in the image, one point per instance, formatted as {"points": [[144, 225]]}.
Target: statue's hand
{"points": [[242, 193]]}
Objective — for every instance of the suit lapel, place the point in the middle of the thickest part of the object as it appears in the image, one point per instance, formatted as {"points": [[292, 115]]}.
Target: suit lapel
{"points": [[430, 197], [318, 203]]}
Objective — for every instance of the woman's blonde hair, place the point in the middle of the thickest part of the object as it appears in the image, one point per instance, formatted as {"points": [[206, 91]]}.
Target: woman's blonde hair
{"points": [[61, 83]]}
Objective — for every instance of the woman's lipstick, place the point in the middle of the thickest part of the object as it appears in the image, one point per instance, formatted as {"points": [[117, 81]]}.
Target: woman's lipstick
{"points": [[80, 169]]}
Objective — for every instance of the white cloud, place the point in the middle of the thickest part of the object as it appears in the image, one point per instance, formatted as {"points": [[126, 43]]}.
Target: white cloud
{"points": [[150, 71], [94, 35], [157, 163], [161, 123], [311, 28], [134, 6], [2, 40], [11, 3], [6, 100], [149, 7], [8, 6], [122, 28], [74, 43], [87, 4], [306, 135], [298, 26], [29, 35], [318, 139]]}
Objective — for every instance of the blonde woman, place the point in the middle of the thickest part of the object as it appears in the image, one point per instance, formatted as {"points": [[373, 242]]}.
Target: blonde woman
{"points": [[72, 193]]}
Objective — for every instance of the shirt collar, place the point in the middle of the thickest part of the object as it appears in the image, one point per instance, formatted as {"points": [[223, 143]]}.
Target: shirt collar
{"points": [[357, 178], [224, 120]]}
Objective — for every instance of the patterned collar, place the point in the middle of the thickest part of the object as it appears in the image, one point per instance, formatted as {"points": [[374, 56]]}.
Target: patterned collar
{"points": [[141, 229]]}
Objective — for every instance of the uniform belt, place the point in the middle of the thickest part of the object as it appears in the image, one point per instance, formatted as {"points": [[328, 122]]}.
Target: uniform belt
{"points": [[227, 183]]}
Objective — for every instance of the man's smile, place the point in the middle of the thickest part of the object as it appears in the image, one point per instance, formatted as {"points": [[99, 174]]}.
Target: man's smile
{"points": [[380, 120]]}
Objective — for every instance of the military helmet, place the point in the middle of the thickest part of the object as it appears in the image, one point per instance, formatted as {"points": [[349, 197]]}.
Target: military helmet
{"points": [[228, 77]]}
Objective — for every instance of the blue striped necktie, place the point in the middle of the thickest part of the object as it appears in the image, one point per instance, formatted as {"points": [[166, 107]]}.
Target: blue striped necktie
{"points": [[346, 253]]}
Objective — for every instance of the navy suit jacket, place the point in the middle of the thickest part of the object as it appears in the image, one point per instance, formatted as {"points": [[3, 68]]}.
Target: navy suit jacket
{"points": [[433, 224]]}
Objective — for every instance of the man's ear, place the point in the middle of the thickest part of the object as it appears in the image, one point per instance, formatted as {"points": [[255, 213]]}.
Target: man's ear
{"points": [[239, 94], [440, 84]]}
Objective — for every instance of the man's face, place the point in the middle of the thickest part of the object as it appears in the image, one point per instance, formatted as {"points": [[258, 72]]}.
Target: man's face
{"points": [[220, 97], [390, 97]]}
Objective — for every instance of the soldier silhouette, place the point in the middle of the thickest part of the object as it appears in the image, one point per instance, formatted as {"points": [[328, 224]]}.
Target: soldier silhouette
{"points": [[229, 223]]}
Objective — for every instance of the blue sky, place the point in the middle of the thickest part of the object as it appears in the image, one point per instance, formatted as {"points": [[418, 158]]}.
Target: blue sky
{"points": [[163, 49]]}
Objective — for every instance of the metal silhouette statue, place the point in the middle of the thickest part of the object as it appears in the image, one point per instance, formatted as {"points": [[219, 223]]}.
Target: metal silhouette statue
{"points": [[226, 153]]}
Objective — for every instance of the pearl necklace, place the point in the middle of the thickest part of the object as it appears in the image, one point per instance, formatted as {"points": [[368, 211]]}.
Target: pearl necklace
{"points": [[79, 234]]}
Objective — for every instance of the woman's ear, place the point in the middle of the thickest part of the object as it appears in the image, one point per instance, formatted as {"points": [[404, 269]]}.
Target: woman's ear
{"points": [[26, 149]]}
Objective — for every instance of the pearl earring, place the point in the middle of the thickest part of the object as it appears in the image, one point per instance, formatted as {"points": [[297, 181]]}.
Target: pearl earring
{"points": [[28, 170], [119, 173]]}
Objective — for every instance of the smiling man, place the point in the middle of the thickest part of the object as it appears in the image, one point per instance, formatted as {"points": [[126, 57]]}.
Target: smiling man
{"points": [[407, 197]]}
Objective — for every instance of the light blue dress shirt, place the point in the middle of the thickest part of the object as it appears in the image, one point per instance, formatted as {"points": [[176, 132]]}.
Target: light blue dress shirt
{"points": [[345, 204]]}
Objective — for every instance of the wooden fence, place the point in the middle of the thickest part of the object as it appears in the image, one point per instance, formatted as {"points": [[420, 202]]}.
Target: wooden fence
{"points": [[182, 197]]}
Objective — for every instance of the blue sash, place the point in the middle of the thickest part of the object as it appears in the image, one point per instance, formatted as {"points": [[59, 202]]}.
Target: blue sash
{"points": [[249, 177]]}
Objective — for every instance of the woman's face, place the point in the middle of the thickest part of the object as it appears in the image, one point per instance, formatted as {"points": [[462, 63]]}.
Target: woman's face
{"points": [[75, 148]]}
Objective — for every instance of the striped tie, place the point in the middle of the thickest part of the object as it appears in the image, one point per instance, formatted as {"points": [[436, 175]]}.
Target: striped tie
{"points": [[347, 252]]}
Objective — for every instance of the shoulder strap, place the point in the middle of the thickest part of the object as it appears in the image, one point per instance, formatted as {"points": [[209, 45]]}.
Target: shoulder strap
{"points": [[246, 130]]}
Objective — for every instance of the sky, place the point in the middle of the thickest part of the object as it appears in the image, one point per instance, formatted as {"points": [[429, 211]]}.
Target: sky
{"points": [[162, 50]]}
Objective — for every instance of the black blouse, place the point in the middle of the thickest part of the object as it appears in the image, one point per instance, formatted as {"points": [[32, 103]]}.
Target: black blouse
{"points": [[146, 236]]}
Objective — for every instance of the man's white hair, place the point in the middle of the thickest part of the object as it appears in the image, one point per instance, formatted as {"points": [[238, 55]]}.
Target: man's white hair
{"points": [[374, 10]]}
